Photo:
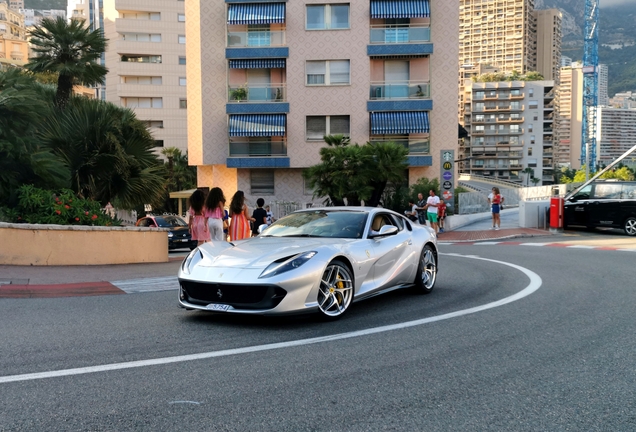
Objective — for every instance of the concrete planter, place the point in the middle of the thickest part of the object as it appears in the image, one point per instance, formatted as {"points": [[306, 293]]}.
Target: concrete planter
{"points": [[42, 245]]}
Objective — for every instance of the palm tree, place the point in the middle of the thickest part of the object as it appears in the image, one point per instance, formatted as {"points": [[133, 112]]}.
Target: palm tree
{"points": [[69, 50], [23, 160], [529, 171], [108, 152], [388, 162]]}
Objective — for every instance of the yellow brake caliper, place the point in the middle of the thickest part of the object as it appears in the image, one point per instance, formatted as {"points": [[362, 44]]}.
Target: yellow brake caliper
{"points": [[339, 285]]}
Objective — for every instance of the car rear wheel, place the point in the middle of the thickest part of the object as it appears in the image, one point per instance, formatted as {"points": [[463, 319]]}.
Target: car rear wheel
{"points": [[336, 290], [426, 271], [630, 226]]}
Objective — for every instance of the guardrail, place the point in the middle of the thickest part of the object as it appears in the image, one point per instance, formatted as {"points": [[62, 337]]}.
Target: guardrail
{"points": [[468, 177]]}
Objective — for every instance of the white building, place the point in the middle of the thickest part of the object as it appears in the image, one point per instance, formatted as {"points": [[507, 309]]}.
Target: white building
{"points": [[603, 97], [616, 133]]}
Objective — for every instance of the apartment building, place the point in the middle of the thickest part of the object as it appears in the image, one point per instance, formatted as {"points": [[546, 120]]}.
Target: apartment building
{"points": [[616, 133], [499, 33], [511, 127], [267, 80], [603, 97], [569, 121], [14, 48], [549, 43]]}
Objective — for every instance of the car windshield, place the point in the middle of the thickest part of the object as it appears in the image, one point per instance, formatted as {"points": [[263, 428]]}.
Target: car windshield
{"points": [[170, 221], [319, 223]]}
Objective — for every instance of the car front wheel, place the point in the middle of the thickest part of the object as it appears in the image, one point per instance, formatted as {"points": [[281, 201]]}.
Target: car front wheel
{"points": [[426, 271], [630, 226], [336, 290]]}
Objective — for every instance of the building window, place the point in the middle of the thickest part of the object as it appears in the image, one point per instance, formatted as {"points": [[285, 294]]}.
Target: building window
{"points": [[181, 17], [262, 182], [533, 104], [529, 151], [153, 123], [158, 143], [182, 39], [182, 81], [182, 60], [153, 16], [142, 102], [319, 126], [141, 37], [183, 103], [141, 58], [329, 16], [142, 80], [306, 189], [328, 72]]}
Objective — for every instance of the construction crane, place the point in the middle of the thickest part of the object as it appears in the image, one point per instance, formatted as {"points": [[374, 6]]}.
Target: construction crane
{"points": [[590, 87]]}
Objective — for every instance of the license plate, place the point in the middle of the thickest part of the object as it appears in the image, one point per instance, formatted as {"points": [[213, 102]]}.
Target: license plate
{"points": [[218, 307], [184, 240]]}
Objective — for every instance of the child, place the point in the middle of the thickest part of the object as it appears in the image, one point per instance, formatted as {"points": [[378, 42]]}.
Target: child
{"points": [[441, 214], [270, 216]]}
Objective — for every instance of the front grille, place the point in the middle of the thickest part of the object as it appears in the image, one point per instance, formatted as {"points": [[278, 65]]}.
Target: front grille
{"points": [[238, 296]]}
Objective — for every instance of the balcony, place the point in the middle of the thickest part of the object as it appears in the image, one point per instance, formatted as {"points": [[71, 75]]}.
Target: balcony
{"points": [[415, 146], [510, 120], [383, 90], [258, 148], [256, 39], [399, 34], [257, 93]]}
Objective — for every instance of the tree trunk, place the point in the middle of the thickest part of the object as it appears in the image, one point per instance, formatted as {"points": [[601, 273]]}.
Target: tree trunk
{"points": [[64, 90]]}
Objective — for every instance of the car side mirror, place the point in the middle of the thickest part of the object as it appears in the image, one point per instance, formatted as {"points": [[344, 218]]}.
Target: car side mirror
{"points": [[262, 228], [385, 231]]}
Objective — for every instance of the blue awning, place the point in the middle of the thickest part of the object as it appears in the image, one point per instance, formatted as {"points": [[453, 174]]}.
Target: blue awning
{"points": [[257, 125], [257, 64], [400, 9], [399, 122], [256, 13]]}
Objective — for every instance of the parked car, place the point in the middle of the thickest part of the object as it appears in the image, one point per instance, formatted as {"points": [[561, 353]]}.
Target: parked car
{"points": [[179, 235], [315, 260], [603, 203]]}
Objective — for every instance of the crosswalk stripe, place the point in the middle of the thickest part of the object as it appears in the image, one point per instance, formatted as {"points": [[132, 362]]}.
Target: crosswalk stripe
{"points": [[131, 286]]}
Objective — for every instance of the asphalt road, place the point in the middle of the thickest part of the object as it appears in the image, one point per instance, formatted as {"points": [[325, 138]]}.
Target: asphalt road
{"points": [[561, 358]]}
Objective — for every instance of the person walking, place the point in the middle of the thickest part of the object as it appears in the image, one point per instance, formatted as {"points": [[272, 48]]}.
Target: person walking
{"points": [[240, 219], [259, 215], [421, 209], [441, 214], [432, 203], [497, 200], [214, 213], [490, 196], [197, 221]]}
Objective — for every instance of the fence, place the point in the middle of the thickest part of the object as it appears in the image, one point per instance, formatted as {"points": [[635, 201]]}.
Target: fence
{"points": [[477, 202], [283, 208]]}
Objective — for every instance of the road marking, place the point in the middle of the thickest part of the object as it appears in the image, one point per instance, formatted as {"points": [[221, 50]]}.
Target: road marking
{"points": [[581, 247], [131, 286], [535, 284]]}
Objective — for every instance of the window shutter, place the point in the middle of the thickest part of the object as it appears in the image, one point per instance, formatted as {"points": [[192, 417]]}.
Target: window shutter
{"points": [[262, 182], [339, 72], [316, 127], [339, 125]]}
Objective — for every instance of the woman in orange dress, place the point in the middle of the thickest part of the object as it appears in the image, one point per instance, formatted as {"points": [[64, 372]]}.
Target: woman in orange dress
{"points": [[240, 220]]}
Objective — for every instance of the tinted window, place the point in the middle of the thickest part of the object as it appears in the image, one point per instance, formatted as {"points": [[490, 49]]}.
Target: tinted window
{"points": [[629, 191], [398, 222], [607, 191], [170, 221], [319, 223], [583, 193]]}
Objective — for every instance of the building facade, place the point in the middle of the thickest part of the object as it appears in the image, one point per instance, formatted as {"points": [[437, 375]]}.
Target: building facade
{"points": [[569, 122], [549, 43], [267, 80], [603, 97], [616, 133], [511, 128], [14, 48]]}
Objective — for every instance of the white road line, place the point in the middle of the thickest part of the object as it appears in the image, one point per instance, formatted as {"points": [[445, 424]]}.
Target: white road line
{"points": [[627, 250], [131, 286], [581, 247], [535, 284], [534, 244], [488, 243]]}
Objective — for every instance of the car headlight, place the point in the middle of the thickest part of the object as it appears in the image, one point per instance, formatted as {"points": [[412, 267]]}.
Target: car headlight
{"points": [[191, 260], [282, 266], [170, 234]]}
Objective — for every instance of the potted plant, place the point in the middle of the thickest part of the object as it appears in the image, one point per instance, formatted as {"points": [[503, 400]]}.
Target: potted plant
{"points": [[239, 93], [419, 92]]}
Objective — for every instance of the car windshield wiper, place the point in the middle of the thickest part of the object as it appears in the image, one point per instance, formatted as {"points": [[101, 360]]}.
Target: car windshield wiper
{"points": [[301, 235]]}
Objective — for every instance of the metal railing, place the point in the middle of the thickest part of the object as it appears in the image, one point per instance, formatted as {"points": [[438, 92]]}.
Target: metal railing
{"points": [[400, 90], [258, 148], [262, 38], [414, 145], [401, 33], [283, 208]]}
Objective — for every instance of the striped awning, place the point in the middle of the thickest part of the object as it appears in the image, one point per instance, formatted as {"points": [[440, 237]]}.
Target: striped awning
{"points": [[257, 64], [257, 125], [399, 122], [400, 9], [256, 13]]}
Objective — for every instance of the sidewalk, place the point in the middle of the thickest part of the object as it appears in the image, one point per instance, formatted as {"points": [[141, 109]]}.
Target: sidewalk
{"points": [[65, 281]]}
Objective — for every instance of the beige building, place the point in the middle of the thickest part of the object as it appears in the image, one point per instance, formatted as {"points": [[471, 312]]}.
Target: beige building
{"points": [[511, 127], [569, 121], [499, 33], [549, 43], [14, 48], [615, 134], [146, 62], [266, 81]]}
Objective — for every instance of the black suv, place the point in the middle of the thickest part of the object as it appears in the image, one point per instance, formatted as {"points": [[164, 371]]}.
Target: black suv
{"points": [[606, 203]]}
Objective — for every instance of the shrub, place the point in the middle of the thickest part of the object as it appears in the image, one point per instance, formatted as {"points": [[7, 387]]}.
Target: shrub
{"points": [[63, 207]]}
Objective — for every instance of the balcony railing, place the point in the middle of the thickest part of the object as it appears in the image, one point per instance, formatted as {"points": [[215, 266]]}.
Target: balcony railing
{"points": [[414, 145], [258, 148], [258, 93], [263, 38], [398, 34], [400, 90]]}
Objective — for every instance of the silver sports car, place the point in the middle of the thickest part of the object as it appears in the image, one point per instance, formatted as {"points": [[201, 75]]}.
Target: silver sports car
{"points": [[313, 260]]}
